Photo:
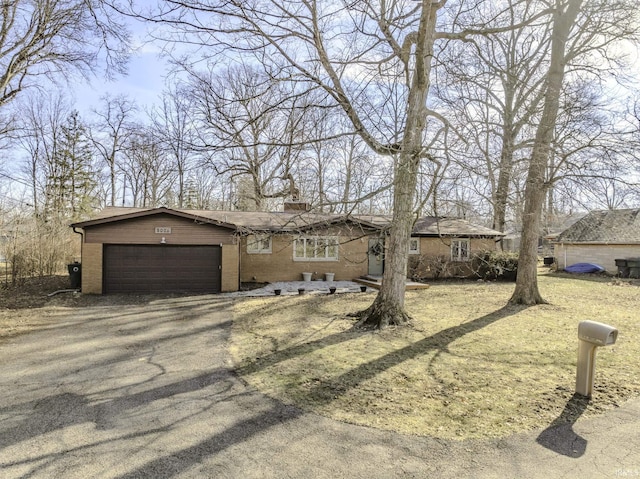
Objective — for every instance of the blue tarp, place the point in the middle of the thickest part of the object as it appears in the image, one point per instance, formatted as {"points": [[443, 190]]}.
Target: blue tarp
{"points": [[584, 268]]}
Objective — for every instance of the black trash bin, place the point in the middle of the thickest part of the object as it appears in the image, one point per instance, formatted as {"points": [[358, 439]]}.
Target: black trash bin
{"points": [[75, 274], [634, 267], [623, 268]]}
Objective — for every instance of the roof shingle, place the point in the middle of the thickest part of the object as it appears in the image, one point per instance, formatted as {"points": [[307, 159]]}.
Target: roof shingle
{"points": [[283, 222], [605, 226]]}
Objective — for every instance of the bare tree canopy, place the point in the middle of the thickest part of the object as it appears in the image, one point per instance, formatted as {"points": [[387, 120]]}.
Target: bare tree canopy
{"points": [[373, 59], [499, 109], [53, 38], [110, 134], [572, 36]]}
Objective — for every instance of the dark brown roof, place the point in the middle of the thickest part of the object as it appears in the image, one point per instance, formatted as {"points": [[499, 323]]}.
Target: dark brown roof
{"points": [[112, 214], [239, 220], [605, 226], [245, 221], [443, 226]]}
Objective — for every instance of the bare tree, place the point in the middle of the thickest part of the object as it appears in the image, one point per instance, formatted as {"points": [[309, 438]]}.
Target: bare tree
{"points": [[51, 40], [253, 126], [492, 88], [57, 171], [564, 20], [110, 134], [53, 37], [362, 55], [148, 174], [40, 138], [174, 126], [317, 161], [584, 38]]}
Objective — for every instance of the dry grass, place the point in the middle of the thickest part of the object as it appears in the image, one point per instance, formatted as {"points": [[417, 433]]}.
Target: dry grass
{"points": [[467, 367]]}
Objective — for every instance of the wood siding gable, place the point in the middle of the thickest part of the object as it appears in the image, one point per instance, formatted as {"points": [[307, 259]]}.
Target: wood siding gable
{"points": [[152, 228]]}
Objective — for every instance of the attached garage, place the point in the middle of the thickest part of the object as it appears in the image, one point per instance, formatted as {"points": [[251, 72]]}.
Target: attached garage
{"points": [[162, 269], [131, 250]]}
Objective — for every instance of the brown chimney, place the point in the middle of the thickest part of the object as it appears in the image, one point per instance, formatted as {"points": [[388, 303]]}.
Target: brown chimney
{"points": [[296, 206]]}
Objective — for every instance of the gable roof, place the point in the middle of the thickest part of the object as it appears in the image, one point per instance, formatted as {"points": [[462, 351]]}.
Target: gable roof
{"points": [[112, 214], [605, 226], [242, 221], [247, 221], [443, 226]]}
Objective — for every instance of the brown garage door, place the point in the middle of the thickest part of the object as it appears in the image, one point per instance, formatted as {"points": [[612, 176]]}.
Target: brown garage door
{"points": [[161, 269]]}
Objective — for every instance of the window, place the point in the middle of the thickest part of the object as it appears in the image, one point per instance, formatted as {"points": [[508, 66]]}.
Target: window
{"points": [[316, 249], [460, 250], [414, 245], [259, 244]]}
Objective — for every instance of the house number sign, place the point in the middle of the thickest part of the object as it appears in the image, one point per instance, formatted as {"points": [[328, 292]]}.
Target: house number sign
{"points": [[163, 230]]}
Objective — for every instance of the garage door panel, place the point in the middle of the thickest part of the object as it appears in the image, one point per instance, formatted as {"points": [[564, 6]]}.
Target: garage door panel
{"points": [[161, 268]]}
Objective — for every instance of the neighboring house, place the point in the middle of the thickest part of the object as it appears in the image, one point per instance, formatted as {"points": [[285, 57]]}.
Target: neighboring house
{"points": [[600, 237], [4, 241], [166, 250], [443, 247], [552, 228]]}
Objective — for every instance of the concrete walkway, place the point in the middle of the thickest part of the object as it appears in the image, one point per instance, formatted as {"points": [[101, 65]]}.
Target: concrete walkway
{"points": [[148, 391], [291, 288]]}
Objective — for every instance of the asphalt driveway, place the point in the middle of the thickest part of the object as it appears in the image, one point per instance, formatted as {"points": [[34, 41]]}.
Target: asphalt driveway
{"points": [[148, 391]]}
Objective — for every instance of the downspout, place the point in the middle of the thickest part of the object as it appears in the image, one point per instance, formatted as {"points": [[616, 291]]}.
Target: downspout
{"points": [[81, 233], [239, 262]]}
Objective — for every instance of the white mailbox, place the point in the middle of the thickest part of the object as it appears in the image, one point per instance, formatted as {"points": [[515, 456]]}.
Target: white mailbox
{"points": [[591, 335], [597, 333]]}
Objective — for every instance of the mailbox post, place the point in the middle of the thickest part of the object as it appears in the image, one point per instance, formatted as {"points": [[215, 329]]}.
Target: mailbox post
{"points": [[591, 335]]}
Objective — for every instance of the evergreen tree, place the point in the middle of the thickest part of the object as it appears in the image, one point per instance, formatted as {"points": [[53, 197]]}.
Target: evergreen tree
{"points": [[71, 183]]}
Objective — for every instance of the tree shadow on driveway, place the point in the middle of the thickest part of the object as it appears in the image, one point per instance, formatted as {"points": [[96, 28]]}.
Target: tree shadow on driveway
{"points": [[67, 409], [243, 422], [171, 465]]}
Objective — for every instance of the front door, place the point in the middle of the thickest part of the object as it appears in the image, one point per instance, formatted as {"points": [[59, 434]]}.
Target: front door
{"points": [[376, 256]]}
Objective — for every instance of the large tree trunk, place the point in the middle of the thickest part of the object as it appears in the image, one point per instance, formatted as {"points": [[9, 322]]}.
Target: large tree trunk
{"points": [[504, 180], [388, 307], [112, 174], [526, 291], [506, 162]]}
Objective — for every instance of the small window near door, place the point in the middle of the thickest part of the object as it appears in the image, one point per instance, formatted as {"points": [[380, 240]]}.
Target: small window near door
{"points": [[414, 246], [259, 244], [460, 250]]}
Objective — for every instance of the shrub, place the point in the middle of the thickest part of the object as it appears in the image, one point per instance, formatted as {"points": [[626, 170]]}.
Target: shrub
{"points": [[422, 267], [496, 265]]}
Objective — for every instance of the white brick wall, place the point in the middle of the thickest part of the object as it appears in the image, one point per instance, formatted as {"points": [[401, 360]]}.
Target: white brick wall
{"points": [[604, 255]]}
